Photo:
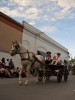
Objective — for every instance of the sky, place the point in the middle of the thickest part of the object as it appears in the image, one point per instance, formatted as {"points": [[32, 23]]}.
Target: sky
{"points": [[56, 18]]}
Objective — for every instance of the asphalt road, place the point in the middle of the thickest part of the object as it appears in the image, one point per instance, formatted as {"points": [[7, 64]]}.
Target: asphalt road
{"points": [[51, 90]]}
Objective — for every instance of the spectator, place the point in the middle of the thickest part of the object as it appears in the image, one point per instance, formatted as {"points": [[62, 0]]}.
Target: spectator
{"points": [[11, 64], [7, 64], [3, 62], [1, 71]]}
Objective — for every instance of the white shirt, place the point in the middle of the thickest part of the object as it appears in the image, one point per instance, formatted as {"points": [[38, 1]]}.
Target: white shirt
{"points": [[7, 63]]}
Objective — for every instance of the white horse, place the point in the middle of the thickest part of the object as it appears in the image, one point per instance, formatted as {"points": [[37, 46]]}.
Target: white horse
{"points": [[27, 59]]}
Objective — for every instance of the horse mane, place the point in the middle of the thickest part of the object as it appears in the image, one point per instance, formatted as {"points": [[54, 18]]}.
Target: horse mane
{"points": [[22, 47]]}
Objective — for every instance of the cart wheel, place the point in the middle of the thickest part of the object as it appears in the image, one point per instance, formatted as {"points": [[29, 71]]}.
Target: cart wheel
{"points": [[48, 77], [65, 75], [59, 77], [40, 78]]}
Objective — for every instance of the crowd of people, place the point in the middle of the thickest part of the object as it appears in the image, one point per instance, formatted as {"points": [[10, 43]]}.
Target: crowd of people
{"points": [[7, 69]]}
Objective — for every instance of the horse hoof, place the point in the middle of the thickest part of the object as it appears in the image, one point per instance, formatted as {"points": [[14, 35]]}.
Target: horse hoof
{"points": [[20, 83], [25, 84]]}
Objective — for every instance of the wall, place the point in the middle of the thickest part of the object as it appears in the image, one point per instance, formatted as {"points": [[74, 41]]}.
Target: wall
{"points": [[7, 35], [31, 38], [38, 41]]}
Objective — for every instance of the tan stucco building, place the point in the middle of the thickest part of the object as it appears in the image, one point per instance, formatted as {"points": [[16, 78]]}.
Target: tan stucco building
{"points": [[10, 30]]}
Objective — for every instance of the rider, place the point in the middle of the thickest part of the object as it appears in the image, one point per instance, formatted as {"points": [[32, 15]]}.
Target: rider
{"points": [[56, 59], [48, 57]]}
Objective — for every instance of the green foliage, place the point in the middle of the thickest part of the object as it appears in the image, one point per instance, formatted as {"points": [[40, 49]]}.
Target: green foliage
{"points": [[72, 59]]}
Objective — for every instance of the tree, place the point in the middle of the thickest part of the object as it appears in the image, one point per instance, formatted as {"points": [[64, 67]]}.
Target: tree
{"points": [[72, 59]]}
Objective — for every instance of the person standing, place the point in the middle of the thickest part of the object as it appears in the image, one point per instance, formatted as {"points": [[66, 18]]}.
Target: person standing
{"points": [[11, 64], [3, 62], [7, 64]]}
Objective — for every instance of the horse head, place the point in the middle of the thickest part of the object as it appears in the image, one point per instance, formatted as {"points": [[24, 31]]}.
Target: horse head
{"points": [[14, 48]]}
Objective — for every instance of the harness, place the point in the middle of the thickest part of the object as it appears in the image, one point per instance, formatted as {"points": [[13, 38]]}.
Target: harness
{"points": [[17, 52], [23, 59], [35, 59], [26, 58], [29, 59]]}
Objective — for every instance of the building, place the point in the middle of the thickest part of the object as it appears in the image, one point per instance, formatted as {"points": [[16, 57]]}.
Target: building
{"points": [[35, 40], [31, 38], [10, 30]]}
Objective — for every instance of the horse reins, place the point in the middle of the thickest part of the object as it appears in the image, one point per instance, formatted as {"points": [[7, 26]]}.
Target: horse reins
{"points": [[28, 56], [23, 59]]}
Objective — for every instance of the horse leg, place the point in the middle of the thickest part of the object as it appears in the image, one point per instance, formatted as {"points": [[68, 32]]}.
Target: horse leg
{"points": [[27, 74], [36, 78], [20, 76], [43, 74]]}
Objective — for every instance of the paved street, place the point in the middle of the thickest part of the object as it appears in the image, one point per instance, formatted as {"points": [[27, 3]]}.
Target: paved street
{"points": [[51, 90]]}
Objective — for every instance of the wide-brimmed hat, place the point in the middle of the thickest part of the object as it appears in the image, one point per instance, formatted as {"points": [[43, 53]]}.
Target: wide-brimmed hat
{"points": [[48, 52], [58, 53]]}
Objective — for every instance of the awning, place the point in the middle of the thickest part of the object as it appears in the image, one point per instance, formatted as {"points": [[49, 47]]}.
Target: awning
{"points": [[44, 54]]}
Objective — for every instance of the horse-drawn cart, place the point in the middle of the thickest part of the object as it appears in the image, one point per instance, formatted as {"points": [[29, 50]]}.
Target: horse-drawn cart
{"points": [[29, 59], [54, 70]]}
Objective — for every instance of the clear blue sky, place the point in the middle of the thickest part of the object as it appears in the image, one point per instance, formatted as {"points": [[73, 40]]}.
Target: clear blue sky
{"points": [[56, 18]]}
